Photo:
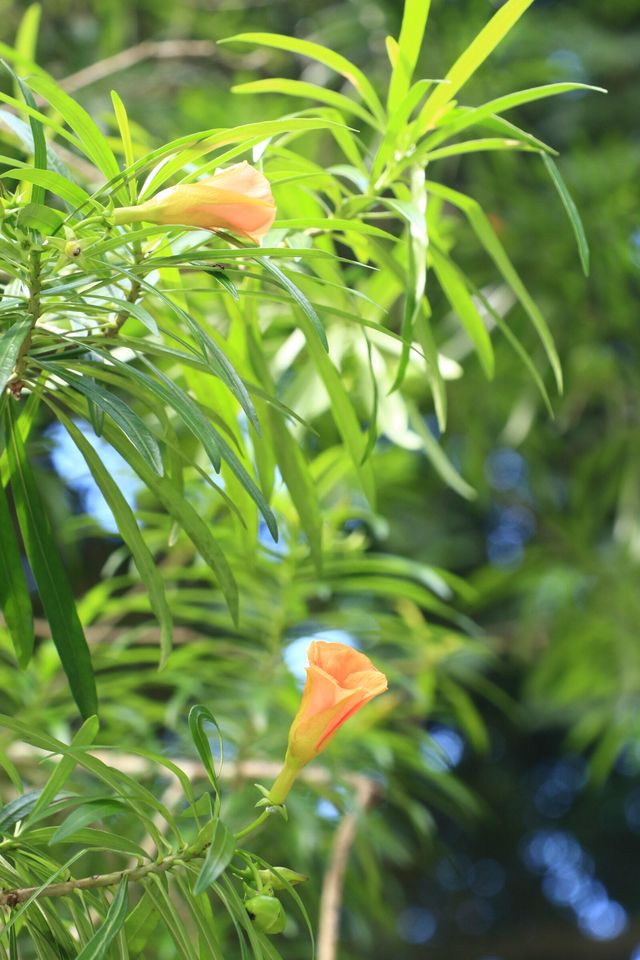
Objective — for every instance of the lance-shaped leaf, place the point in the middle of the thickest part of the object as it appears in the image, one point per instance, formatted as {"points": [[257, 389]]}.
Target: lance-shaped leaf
{"points": [[130, 533], [218, 858], [15, 601], [51, 577], [102, 939], [10, 342]]}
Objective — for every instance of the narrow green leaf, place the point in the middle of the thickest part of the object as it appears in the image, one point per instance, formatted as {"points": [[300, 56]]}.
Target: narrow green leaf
{"points": [[218, 362], [477, 146], [456, 293], [65, 766], [30, 23], [88, 813], [174, 502], [472, 58], [106, 840], [332, 224], [218, 858], [344, 414], [417, 243], [486, 235], [129, 422], [11, 770], [22, 132], [457, 120], [298, 296], [198, 715], [572, 211], [291, 461], [513, 342], [414, 21], [130, 533], [102, 939], [94, 143], [17, 810], [211, 439], [15, 601], [52, 181], [206, 141], [424, 336], [51, 578], [27, 32], [167, 910], [315, 51], [125, 135], [397, 126], [11, 340], [310, 91], [37, 216], [20, 129]]}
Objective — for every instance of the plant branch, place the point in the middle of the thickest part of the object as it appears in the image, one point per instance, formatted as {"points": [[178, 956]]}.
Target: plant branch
{"points": [[333, 880], [11, 898], [149, 50]]}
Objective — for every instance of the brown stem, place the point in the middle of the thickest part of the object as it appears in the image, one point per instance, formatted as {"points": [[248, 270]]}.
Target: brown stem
{"points": [[11, 898], [113, 328], [333, 881], [153, 50]]}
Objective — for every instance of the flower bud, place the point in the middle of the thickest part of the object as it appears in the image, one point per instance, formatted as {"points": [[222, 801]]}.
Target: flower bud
{"points": [[267, 913], [237, 199], [275, 877]]}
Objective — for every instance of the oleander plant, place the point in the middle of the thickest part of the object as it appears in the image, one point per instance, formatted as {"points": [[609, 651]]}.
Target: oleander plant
{"points": [[232, 334]]}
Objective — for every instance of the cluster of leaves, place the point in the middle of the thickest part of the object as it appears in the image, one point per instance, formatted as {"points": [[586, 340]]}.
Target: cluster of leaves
{"points": [[197, 873]]}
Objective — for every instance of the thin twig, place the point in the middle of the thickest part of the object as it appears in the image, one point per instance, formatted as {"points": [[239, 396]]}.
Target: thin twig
{"points": [[333, 881], [151, 50], [147, 50]]}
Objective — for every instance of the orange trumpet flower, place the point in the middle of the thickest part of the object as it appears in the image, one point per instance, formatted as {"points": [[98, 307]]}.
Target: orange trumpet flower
{"points": [[238, 199], [340, 680]]}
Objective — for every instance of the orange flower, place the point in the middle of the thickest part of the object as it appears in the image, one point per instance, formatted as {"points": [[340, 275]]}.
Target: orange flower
{"points": [[340, 680], [238, 199]]}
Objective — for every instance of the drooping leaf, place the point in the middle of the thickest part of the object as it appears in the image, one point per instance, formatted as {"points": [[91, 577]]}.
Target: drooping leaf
{"points": [[11, 340], [51, 577], [572, 211], [15, 602], [460, 300], [130, 533], [127, 419], [102, 939], [489, 240], [65, 766], [198, 715], [323, 55], [218, 858], [88, 813]]}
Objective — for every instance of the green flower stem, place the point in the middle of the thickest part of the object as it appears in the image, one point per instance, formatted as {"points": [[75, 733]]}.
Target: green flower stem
{"points": [[122, 215], [254, 824], [285, 780]]}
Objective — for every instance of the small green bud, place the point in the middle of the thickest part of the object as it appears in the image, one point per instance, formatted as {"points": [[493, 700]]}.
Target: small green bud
{"points": [[275, 877], [266, 913], [72, 249]]}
